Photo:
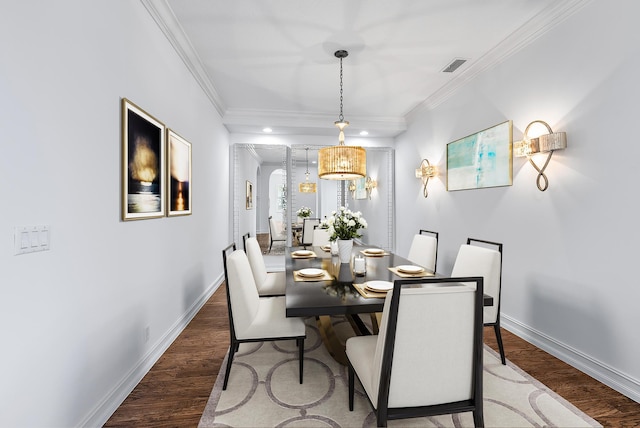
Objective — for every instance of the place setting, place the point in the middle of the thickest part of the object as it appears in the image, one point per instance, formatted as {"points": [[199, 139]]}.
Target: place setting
{"points": [[374, 289], [374, 252], [303, 254], [312, 274], [410, 271]]}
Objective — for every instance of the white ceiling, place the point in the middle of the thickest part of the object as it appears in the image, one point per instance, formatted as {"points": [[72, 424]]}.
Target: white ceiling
{"points": [[271, 62]]}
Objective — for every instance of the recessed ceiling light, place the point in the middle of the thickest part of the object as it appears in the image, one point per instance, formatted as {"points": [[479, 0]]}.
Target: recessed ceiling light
{"points": [[364, 133], [267, 130]]}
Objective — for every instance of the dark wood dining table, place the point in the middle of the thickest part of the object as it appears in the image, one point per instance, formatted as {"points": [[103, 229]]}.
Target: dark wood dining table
{"points": [[338, 295]]}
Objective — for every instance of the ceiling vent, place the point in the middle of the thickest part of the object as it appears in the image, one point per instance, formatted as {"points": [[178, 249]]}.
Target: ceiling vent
{"points": [[454, 65]]}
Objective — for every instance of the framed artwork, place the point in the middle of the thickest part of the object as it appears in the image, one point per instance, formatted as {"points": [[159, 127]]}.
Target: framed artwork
{"points": [[179, 179], [361, 191], [249, 195], [143, 161], [483, 159]]}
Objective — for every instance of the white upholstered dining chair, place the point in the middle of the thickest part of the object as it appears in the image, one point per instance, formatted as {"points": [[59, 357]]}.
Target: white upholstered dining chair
{"points": [[267, 283], [252, 318], [424, 249], [484, 259], [308, 225], [427, 358], [277, 232], [320, 237]]}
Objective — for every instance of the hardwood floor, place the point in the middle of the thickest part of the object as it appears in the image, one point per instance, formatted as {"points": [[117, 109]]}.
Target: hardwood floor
{"points": [[175, 391]]}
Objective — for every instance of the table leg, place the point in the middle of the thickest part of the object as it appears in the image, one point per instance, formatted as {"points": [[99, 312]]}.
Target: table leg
{"points": [[331, 340], [376, 318]]}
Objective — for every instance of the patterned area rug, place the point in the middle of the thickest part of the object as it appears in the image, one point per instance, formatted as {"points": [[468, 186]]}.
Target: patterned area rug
{"points": [[263, 391], [277, 249]]}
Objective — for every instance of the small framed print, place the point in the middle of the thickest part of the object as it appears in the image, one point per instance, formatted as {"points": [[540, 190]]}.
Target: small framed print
{"points": [[179, 175], [143, 161], [249, 195]]}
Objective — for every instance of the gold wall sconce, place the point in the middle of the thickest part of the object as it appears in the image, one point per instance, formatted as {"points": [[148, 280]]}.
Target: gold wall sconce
{"points": [[424, 173], [542, 143], [369, 185]]}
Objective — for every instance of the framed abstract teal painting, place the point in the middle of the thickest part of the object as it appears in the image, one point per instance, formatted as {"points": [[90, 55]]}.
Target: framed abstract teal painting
{"points": [[483, 159]]}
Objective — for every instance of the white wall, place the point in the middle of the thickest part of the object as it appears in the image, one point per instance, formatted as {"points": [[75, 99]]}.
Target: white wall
{"points": [[570, 253], [73, 319]]}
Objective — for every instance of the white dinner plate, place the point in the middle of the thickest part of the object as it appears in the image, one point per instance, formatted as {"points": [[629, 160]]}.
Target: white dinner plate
{"points": [[374, 251], [302, 253], [410, 269], [311, 272], [379, 285]]}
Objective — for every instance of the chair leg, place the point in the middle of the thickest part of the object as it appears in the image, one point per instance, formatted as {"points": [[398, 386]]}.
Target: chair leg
{"points": [[232, 351], [300, 344], [496, 328], [351, 387], [381, 418], [270, 244], [478, 417]]}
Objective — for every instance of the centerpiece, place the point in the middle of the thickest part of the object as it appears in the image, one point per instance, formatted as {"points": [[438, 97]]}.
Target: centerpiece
{"points": [[303, 212], [344, 225]]}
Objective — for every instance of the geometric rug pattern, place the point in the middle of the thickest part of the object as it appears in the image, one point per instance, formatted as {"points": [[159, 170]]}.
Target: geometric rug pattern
{"points": [[264, 391]]}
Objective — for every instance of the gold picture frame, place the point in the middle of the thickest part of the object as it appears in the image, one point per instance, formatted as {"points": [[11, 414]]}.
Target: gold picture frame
{"points": [[178, 175], [143, 163]]}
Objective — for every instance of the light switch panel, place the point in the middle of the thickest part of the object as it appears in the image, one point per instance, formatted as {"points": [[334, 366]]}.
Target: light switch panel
{"points": [[31, 239]]}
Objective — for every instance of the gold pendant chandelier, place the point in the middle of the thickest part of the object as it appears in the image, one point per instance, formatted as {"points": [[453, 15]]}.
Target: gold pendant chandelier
{"points": [[307, 187], [342, 162]]}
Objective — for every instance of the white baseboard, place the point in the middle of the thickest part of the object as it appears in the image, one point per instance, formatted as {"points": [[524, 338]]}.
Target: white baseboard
{"points": [[103, 411], [621, 382]]}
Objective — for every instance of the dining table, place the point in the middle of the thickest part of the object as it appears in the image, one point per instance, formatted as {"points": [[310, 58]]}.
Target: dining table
{"points": [[339, 291]]}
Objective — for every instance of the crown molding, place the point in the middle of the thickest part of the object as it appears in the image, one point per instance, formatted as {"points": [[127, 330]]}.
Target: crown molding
{"points": [[245, 120], [164, 17]]}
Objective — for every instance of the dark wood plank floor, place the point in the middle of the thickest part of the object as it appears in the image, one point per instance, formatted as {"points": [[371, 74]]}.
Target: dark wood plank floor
{"points": [[175, 391]]}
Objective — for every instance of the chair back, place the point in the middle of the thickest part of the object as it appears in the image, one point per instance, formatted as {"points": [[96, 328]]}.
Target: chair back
{"points": [[473, 260], [307, 230], [242, 294], [424, 249], [276, 230], [244, 240], [429, 349], [256, 260], [320, 237]]}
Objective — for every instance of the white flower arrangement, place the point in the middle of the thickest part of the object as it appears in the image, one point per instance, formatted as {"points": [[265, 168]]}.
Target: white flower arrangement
{"points": [[345, 224], [304, 212]]}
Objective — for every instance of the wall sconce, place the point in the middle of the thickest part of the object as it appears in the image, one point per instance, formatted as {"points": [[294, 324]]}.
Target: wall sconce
{"points": [[369, 185], [425, 172], [544, 143]]}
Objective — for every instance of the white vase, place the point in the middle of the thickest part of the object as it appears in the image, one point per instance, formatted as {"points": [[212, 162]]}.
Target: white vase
{"points": [[345, 247], [300, 220]]}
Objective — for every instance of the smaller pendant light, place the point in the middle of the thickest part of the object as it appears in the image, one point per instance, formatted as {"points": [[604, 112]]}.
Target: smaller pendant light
{"points": [[307, 187]]}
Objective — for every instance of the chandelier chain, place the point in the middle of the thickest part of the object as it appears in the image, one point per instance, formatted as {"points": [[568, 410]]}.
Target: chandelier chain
{"points": [[341, 117]]}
